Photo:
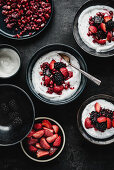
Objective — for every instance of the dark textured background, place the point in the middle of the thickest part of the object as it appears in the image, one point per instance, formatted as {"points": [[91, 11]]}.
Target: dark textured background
{"points": [[78, 154]]}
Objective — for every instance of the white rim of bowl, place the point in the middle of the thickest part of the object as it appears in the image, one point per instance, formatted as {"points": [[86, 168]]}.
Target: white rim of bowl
{"points": [[62, 147]]}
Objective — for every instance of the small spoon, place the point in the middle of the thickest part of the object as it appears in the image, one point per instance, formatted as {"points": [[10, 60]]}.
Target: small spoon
{"points": [[92, 78]]}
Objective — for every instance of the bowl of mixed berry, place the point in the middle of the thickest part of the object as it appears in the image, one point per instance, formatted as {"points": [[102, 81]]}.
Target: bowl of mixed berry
{"points": [[24, 19], [46, 140], [51, 79], [96, 119]]}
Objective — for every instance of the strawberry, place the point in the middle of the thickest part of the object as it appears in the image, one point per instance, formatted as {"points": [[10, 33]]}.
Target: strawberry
{"points": [[32, 149], [109, 124], [97, 107], [93, 29], [48, 132], [109, 36], [44, 144], [88, 123], [52, 150], [113, 123], [32, 141], [52, 138], [41, 153], [102, 42], [107, 18], [37, 126], [38, 134], [38, 146], [55, 128], [52, 64], [70, 74], [47, 80], [47, 124], [64, 72], [101, 119], [31, 133], [57, 141], [58, 89], [103, 27]]}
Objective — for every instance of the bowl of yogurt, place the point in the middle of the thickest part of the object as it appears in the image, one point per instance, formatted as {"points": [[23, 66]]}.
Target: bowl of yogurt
{"points": [[95, 43], [95, 119], [9, 61], [46, 75]]}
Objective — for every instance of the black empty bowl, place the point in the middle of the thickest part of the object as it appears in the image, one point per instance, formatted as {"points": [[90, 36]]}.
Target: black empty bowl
{"points": [[45, 50], [77, 37], [16, 114]]}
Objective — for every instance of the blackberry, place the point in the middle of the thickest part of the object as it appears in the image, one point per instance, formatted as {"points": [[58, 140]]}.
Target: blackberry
{"points": [[98, 19], [46, 72], [107, 113], [101, 126], [58, 78], [110, 25], [101, 34], [59, 65], [93, 116]]}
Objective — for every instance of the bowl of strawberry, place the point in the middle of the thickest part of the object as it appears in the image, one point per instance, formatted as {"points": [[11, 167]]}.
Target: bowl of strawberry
{"points": [[51, 79], [46, 140], [96, 119], [93, 28]]}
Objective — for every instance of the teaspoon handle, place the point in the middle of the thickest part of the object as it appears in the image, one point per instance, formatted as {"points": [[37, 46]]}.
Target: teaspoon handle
{"points": [[92, 78]]}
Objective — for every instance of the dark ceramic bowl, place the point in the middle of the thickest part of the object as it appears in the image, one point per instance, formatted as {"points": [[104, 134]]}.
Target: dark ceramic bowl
{"points": [[25, 149], [17, 114], [79, 120], [2, 46], [9, 33], [46, 50], [76, 33]]}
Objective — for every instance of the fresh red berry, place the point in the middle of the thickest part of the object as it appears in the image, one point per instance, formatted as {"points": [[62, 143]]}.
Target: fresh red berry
{"points": [[44, 144], [57, 142], [88, 123], [38, 134], [101, 119], [41, 153], [109, 36], [37, 126], [32, 149], [52, 150], [107, 18], [47, 80], [58, 89], [103, 27], [52, 138], [55, 128], [93, 29], [113, 123], [109, 123], [64, 72], [31, 133], [47, 124], [52, 64], [97, 107]]}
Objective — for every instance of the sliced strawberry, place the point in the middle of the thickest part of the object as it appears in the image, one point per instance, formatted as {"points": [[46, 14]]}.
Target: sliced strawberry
{"points": [[31, 133], [55, 128], [52, 138], [101, 119], [57, 142], [93, 29], [52, 150], [109, 36], [107, 18], [109, 123], [113, 123], [32, 141], [102, 42], [38, 146], [64, 72], [44, 144], [70, 74], [58, 89], [38, 134], [32, 149], [97, 107], [103, 27], [47, 124], [37, 126], [88, 123], [48, 132], [52, 64], [41, 153], [47, 80]]}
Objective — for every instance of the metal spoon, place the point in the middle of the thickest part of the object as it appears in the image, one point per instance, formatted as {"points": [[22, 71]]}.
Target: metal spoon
{"points": [[92, 78]]}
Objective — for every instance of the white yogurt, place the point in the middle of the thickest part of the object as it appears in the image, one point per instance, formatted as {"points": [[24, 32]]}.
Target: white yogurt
{"points": [[9, 62], [37, 79], [86, 113], [83, 25]]}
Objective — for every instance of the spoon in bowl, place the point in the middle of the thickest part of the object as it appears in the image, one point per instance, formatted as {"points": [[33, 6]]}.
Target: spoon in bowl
{"points": [[90, 77]]}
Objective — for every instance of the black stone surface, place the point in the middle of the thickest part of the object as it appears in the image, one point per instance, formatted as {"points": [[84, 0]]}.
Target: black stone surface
{"points": [[78, 154]]}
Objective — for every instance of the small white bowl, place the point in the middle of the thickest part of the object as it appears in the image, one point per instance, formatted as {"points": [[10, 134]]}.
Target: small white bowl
{"points": [[62, 145]]}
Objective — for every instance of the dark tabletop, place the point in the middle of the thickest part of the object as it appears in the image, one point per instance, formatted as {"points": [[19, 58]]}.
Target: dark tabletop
{"points": [[78, 154]]}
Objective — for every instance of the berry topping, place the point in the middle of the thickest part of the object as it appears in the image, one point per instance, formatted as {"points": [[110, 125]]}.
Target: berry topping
{"points": [[97, 107], [64, 72], [101, 119], [57, 142], [58, 78], [113, 123], [47, 80], [109, 36], [93, 29], [58, 89], [44, 144], [107, 18], [42, 153], [59, 65], [103, 27], [109, 123], [98, 19], [110, 25], [88, 123], [52, 64], [101, 126]]}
